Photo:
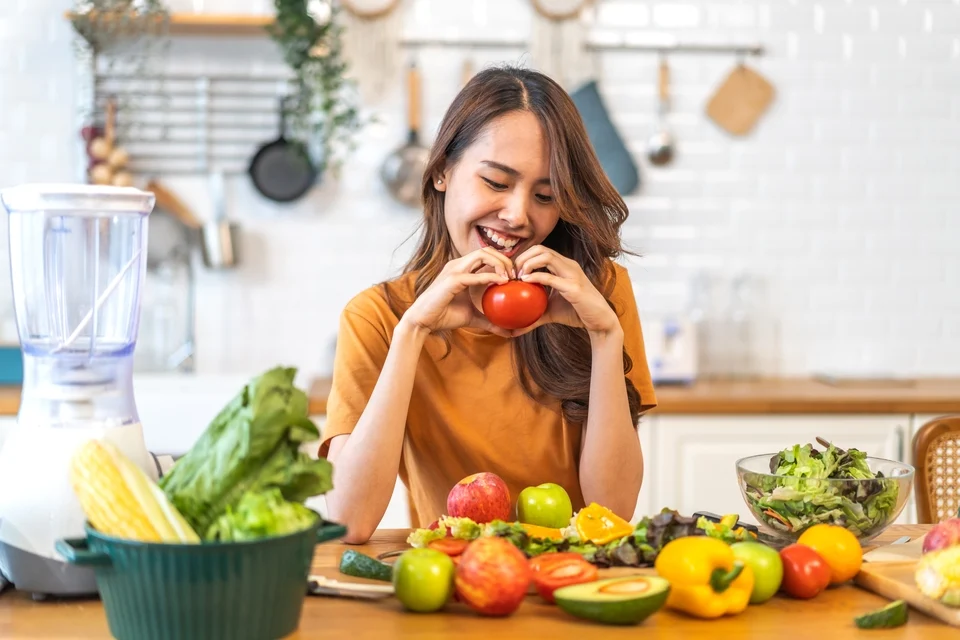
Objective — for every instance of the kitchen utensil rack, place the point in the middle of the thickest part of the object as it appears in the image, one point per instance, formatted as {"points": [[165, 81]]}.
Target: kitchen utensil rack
{"points": [[653, 42], [192, 123]]}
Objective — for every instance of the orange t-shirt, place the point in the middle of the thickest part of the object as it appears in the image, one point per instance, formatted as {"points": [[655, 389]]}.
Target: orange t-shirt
{"points": [[468, 412]]}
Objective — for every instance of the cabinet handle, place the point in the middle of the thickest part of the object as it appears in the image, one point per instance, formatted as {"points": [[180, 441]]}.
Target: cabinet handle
{"points": [[901, 445]]}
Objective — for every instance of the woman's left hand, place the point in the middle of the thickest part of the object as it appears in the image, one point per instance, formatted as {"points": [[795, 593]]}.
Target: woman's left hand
{"points": [[574, 301]]}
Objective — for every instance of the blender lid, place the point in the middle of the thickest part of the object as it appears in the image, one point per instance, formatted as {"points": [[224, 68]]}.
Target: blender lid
{"points": [[77, 198]]}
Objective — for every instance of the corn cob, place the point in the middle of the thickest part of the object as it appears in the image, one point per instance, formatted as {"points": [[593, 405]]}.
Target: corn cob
{"points": [[120, 500], [938, 575]]}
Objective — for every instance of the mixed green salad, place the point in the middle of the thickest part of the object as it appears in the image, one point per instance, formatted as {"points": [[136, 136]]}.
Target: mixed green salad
{"points": [[638, 549], [805, 493]]}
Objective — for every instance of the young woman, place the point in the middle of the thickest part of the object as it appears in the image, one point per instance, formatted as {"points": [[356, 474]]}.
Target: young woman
{"points": [[426, 386]]}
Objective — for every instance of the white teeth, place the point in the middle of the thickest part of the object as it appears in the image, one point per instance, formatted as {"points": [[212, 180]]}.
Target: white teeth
{"points": [[499, 240]]}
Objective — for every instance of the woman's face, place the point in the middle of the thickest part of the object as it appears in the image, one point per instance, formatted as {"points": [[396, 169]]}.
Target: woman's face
{"points": [[498, 194]]}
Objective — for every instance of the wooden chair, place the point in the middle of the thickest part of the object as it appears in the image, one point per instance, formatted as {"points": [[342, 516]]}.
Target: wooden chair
{"points": [[936, 450]]}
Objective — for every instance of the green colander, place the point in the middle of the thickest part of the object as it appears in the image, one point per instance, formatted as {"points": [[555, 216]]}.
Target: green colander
{"points": [[251, 590]]}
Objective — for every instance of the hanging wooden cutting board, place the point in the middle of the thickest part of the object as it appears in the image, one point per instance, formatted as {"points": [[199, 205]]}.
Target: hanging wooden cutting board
{"points": [[741, 99], [894, 580]]}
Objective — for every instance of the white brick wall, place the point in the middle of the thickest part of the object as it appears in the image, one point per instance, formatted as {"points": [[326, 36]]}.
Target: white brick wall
{"points": [[844, 199]]}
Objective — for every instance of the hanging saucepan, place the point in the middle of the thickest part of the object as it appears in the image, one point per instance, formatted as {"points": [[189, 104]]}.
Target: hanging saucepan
{"points": [[282, 170], [403, 169]]}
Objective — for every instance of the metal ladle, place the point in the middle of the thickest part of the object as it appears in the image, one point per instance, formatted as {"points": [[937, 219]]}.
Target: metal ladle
{"points": [[661, 145]]}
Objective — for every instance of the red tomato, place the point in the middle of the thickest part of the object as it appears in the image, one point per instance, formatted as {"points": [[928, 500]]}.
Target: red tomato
{"points": [[805, 573], [515, 304], [450, 546], [545, 560], [554, 570]]}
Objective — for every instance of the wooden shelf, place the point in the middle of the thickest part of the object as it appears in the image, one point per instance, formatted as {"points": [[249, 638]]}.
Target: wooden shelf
{"points": [[220, 24]]}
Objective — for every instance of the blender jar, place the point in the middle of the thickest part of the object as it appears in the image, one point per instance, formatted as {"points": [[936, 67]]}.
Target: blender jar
{"points": [[77, 262]]}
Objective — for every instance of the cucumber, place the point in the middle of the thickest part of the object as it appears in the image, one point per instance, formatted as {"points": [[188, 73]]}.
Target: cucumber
{"points": [[892, 615], [362, 566]]}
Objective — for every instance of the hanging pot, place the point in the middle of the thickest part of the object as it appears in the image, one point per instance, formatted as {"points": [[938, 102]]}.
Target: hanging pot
{"points": [[402, 171], [220, 236]]}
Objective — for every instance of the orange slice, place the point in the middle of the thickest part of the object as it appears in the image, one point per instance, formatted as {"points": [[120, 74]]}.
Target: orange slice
{"points": [[536, 531], [599, 525]]}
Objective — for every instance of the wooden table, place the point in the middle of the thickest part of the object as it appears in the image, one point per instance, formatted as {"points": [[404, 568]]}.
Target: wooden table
{"points": [[830, 615]]}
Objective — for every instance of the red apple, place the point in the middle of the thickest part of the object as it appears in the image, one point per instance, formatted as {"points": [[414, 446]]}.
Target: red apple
{"points": [[482, 497], [942, 535], [492, 577]]}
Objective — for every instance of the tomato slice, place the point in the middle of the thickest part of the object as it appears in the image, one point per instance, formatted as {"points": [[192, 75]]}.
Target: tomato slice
{"points": [[554, 570], [546, 560], [453, 547]]}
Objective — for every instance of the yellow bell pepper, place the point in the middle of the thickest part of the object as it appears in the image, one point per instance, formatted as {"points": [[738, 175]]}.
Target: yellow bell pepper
{"points": [[706, 580]]}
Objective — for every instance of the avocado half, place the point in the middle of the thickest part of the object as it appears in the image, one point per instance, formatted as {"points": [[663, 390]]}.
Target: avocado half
{"points": [[628, 600]]}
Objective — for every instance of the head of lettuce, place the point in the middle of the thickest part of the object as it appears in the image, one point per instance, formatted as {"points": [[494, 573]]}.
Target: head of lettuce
{"points": [[246, 476]]}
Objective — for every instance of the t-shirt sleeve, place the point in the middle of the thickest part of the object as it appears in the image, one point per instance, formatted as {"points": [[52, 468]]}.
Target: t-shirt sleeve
{"points": [[362, 345], [625, 305]]}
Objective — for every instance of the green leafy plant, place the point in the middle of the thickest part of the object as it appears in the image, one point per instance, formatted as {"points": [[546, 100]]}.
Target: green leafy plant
{"points": [[324, 108]]}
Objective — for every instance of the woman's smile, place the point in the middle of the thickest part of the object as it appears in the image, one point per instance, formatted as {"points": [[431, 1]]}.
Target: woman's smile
{"points": [[505, 243]]}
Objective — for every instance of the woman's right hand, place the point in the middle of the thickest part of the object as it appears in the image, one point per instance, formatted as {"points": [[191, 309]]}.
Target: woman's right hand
{"points": [[446, 303]]}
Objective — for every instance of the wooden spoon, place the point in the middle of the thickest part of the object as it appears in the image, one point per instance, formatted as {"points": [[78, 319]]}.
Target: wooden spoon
{"points": [[169, 202]]}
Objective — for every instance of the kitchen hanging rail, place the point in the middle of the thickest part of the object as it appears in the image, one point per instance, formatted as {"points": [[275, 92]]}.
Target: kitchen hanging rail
{"points": [[653, 44], [257, 25]]}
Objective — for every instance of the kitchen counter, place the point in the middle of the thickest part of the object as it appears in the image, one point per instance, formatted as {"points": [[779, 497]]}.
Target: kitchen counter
{"points": [[324, 617], [788, 395], [809, 395], [763, 396], [221, 385]]}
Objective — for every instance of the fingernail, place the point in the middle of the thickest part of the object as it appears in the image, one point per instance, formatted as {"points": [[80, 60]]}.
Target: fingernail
{"points": [[513, 273]]}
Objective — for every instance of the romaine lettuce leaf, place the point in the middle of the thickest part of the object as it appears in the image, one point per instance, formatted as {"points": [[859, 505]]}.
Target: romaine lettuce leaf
{"points": [[252, 445]]}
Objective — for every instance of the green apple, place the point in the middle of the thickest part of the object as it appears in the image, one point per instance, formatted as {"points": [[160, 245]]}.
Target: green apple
{"points": [[766, 565], [423, 579], [546, 505]]}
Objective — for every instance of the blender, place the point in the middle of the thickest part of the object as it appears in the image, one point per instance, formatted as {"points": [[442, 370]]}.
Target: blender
{"points": [[78, 256]]}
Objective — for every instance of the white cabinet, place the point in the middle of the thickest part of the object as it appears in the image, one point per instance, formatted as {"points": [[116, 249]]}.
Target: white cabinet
{"points": [[397, 515], [696, 455], [646, 503], [6, 424]]}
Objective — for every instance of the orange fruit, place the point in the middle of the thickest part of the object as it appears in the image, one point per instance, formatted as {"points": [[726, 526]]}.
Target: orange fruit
{"points": [[839, 548], [536, 531], [600, 525]]}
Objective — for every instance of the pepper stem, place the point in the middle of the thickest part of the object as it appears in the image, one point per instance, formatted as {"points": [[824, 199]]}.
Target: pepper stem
{"points": [[721, 579]]}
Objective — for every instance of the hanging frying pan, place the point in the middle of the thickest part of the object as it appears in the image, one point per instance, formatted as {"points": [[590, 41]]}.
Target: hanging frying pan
{"points": [[281, 170], [403, 169]]}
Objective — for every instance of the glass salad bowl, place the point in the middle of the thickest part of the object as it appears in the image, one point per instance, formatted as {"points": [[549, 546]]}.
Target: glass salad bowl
{"points": [[865, 495]]}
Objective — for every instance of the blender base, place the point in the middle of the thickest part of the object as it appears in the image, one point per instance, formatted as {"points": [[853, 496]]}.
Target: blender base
{"points": [[44, 577]]}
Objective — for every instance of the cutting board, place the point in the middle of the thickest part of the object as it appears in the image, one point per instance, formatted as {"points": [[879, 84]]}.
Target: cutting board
{"points": [[741, 99], [909, 552], [894, 580]]}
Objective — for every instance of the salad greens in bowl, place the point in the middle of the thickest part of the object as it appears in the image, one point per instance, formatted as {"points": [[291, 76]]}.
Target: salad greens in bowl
{"points": [[801, 486]]}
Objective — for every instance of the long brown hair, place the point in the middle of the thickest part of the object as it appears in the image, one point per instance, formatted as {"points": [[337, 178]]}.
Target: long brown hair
{"points": [[552, 359]]}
